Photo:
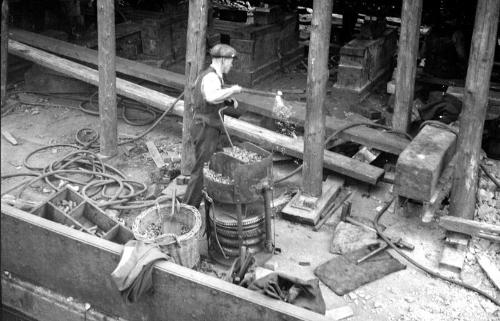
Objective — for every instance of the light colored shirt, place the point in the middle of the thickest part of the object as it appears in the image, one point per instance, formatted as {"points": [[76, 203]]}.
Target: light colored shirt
{"points": [[211, 87]]}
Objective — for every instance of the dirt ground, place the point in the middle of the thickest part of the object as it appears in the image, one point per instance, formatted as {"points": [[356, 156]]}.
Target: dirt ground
{"points": [[409, 294]]}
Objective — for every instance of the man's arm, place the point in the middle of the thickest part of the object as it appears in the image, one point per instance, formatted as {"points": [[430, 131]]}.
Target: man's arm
{"points": [[212, 90]]}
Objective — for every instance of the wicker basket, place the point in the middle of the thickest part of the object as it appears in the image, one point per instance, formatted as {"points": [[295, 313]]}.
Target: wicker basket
{"points": [[179, 232]]}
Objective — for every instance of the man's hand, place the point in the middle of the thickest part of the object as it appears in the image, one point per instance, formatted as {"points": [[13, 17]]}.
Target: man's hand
{"points": [[231, 102], [236, 89]]}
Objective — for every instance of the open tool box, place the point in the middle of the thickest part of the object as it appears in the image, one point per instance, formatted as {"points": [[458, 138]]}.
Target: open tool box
{"points": [[71, 209]]}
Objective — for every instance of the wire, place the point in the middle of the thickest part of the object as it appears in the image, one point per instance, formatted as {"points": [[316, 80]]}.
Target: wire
{"points": [[420, 266]]}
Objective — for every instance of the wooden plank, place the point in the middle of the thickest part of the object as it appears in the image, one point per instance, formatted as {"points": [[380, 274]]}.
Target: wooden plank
{"points": [[89, 261], [317, 77], [255, 103], [266, 138], [123, 66], [466, 226], [493, 98], [294, 147], [195, 59], [155, 154], [490, 269], [453, 256], [363, 135], [45, 305], [108, 137], [411, 14], [89, 75], [331, 187], [473, 115], [4, 44]]}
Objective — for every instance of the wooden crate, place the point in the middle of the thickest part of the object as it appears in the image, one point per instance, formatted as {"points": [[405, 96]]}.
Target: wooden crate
{"points": [[262, 49], [363, 62], [85, 216], [163, 34]]}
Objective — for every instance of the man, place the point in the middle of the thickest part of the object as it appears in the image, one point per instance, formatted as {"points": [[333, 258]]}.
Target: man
{"points": [[209, 96]]}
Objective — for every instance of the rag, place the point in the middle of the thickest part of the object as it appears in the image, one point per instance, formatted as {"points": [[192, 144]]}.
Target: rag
{"points": [[302, 293], [133, 274]]}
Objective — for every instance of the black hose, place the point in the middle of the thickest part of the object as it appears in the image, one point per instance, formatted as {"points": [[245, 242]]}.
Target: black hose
{"points": [[337, 132], [78, 162], [420, 266]]}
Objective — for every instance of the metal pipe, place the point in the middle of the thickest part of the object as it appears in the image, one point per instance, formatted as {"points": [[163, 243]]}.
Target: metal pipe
{"points": [[267, 190], [240, 233]]}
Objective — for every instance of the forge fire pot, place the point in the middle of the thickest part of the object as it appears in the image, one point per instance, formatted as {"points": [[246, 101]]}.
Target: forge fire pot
{"points": [[235, 203]]}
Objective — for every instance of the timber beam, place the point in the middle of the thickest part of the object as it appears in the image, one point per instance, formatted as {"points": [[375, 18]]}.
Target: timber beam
{"points": [[258, 104], [268, 139], [124, 66]]}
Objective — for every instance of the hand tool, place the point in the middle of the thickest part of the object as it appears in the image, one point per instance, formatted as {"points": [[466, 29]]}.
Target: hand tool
{"points": [[399, 242], [346, 217], [329, 212]]}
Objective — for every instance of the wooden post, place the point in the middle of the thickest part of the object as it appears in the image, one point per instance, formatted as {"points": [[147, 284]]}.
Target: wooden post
{"points": [[317, 77], [477, 83], [195, 60], [107, 78], [411, 13], [4, 51]]}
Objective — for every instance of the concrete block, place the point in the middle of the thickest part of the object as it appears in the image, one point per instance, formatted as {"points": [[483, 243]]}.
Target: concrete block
{"points": [[420, 165]]}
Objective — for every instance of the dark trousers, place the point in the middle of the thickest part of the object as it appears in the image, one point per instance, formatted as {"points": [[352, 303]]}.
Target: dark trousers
{"points": [[206, 144]]}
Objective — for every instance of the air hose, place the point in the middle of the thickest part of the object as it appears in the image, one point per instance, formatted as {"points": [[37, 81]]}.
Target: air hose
{"points": [[101, 176], [334, 136], [420, 266]]}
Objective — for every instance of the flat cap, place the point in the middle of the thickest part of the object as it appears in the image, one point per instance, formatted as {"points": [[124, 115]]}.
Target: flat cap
{"points": [[222, 51]]}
